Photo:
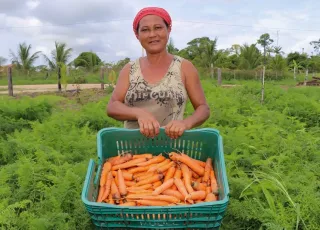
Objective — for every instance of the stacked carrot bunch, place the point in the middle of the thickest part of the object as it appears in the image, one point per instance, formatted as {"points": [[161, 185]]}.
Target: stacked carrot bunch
{"points": [[147, 180]]}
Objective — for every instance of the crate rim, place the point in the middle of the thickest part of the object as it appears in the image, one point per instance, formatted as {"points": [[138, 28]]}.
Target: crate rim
{"points": [[162, 129]]}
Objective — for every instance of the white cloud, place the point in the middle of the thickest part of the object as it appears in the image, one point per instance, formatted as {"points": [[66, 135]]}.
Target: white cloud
{"points": [[105, 26]]}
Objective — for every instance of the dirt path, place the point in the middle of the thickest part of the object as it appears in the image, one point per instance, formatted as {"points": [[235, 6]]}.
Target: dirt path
{"points": [[19, 89]]}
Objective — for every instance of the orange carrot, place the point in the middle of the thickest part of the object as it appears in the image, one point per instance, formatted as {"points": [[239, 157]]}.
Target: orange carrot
{"points": [[128, 164], [198, 186], [207, 170], [156, 184], [126, 175], [145, 155], [181, 188], [115, 192], [129, 183], [122, 159], [170, 173], [100, 194], [129, 203], [140, 169], [112, 159], [121, 184], [150, 180], [214, 185], [154, 168], [194, 175], [105, 170], [142, 177], [152, 202], [165, 167], [107, 187], [174, 193], [197, 195], [146, 186], [168, 198], [197, 168], [154, 160], [110, 199], [166, 185], [210, 197], [186, 177], [138, 195]]}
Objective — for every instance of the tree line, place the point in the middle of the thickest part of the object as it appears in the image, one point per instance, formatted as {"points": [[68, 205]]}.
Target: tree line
{"points": [[202, 51]]}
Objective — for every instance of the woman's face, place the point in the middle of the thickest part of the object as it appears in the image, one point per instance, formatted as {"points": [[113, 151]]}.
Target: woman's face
{"points": [[153, 34]]}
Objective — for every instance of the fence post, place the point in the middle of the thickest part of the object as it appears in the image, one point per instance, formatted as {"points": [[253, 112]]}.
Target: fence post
{"points": [[102, 77], [10, 86], [219, 76], [306, 78], [59, 79], [211, 71], [262, 90]]}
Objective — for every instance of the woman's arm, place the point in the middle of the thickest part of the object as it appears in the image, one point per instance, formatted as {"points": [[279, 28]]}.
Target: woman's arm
{"points": [[195, 92], [116, 107], [196, 95]]}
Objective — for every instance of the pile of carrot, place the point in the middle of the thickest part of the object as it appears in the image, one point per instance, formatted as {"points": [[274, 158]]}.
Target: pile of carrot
{"points": [[147, 180]]}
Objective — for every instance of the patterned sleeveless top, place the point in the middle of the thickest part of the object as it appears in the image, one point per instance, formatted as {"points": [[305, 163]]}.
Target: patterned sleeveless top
{"points": [[166, 99]]}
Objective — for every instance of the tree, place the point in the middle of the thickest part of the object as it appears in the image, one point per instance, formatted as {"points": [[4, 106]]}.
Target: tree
{"points": [[59, 55], [59, 58], [2, 61], [88, 60], [171, 48], [278, 64], [316, 46], [250, 57], [265, 41], [24, 59]]}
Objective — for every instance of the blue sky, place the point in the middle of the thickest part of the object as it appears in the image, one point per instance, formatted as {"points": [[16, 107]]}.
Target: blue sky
{"points": [[86, 25]]}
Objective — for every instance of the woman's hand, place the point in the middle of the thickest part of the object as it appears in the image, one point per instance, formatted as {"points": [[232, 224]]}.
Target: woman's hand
{"points": [[176, 128], [149, 126]]}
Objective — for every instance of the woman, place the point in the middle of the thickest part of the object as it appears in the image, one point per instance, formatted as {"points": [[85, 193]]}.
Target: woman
{"points": [[152, 91]]}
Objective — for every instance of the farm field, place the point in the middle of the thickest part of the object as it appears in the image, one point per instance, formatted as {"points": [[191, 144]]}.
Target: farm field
{"points": [[272, 154]]}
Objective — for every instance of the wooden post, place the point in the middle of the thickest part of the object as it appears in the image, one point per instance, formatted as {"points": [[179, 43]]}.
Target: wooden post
{"points": [[10, 86], [59, 79], [234, 74], [262, 90], [102, 77], [211, 71], [294, 73], [219, 76], [306, 78]]}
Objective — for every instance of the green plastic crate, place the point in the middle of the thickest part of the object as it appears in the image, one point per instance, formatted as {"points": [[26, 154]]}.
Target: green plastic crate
{"points": [[197, 143]]}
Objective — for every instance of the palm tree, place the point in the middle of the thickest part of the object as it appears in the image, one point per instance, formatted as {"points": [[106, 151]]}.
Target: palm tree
{"points": [[278, 64], [250, 56], [59, 58], [23, 59], [60, 55]]}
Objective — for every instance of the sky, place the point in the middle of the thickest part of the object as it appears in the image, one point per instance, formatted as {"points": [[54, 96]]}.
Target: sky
{"points": [[105, 26]]}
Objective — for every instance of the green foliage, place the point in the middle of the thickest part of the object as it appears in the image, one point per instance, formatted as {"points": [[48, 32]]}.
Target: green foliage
{"points": [[88, 60], [271, 153]]}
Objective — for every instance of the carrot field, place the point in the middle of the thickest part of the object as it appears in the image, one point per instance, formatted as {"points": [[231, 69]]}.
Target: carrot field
{"points": [[272, 155]]}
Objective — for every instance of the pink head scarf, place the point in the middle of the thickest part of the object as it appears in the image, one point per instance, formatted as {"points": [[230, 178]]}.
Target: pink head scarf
{"points": [[151, 10]]}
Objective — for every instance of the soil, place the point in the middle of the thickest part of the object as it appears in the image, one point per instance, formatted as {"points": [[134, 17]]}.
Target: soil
{"points": [[25, 89]]}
